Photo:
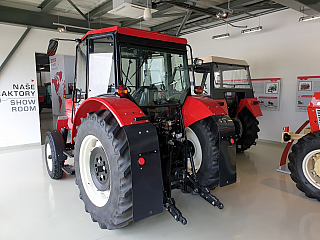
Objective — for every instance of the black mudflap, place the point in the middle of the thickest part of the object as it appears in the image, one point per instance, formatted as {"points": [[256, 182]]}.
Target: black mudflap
{"points": [[147, 190], [227, 147]]}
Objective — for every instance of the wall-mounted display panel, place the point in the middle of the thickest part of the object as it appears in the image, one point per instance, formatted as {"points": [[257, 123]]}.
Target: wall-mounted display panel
{"points": [[267, 91], [306, 87]]}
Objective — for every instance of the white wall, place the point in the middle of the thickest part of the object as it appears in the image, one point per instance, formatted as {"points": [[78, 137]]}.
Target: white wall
{"points": [[285, 48], [21, 128]]}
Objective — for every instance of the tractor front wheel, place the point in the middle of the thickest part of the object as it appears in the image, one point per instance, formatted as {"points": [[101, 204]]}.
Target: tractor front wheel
{"points": [[54, 166], [204, 139], [305, 164], [103, 170]]}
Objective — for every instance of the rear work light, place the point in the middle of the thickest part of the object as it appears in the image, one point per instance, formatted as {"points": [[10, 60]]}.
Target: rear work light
{"points": [[198, 90], [122, 91], [221, 103]]}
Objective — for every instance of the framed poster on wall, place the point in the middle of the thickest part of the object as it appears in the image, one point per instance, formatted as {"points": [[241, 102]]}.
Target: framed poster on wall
{"points": [[267, 91], [306, 87]]}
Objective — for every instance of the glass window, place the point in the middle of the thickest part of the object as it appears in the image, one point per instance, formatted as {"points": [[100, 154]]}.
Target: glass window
{"points": [[81, 68], [101, 67], [202, 78], [231, 76], [154, 77]]}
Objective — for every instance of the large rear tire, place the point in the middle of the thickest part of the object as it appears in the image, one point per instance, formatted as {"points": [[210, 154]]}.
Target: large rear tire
{"points": [[103, 170], [204, 139], [249, 130], [305, 164]]}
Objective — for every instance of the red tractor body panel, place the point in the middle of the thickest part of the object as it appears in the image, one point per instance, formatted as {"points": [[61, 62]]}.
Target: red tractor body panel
{"points": [[62, 122], [69, 112], [196, 108], [138, 33], [252, 104], [223, 103], [124, 110], [314, 105]]}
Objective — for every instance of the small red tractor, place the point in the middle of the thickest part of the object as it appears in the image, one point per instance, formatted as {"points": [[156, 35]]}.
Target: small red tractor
{"points": [[228, 82], [45, 96], [135, 131], [304, 160]]}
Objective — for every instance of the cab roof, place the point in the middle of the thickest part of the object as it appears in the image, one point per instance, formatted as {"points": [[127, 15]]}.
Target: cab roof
{"points": [[211, 59], [138, 33]]}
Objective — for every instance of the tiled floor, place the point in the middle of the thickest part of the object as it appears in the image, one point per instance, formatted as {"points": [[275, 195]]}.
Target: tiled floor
{"points": [[263, 204]]}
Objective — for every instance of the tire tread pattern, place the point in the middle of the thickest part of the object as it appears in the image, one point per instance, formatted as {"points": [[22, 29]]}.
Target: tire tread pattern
{"points": [[208, 174], [250, 130], [56, 172], [304, 145], [122, 214]]}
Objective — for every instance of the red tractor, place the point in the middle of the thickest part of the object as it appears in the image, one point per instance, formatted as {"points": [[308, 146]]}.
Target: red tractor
{"points": [[135, 131], [44, 98], [304, 160], [228, 82]]}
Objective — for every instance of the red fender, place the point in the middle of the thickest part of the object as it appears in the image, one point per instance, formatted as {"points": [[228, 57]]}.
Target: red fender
{"points": [[122, 109], [252, 104], [196, 108], [223, 103]]}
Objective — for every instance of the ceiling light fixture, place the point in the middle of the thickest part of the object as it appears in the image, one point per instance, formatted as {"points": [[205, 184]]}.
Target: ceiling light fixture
{"points": [[61, 29], [71, 26], [147, 13], [221, 36], [220, 15], [251, 30], [308, 18]]}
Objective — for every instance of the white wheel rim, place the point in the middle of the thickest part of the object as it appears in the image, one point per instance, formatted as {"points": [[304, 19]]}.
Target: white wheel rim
{"points": [[96, 196], [308, 167], [197, 156], [49, 161]]}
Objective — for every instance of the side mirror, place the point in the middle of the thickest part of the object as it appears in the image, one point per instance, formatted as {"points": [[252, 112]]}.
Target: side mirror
{"points": [[77, 95], [52, 47]]}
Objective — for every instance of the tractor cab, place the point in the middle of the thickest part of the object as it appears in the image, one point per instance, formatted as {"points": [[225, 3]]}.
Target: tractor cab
{"points": [[224, 78], [228, 82], [120, 63]]}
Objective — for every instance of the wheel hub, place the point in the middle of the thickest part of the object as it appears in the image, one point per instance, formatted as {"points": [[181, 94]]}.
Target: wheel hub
{"points": [[49, 157], [311, 168], [99, 169], [316, 164], [196, 150]]}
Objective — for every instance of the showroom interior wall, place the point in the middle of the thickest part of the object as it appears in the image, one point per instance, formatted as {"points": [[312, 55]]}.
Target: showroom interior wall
{"points": [[23, 128], [284, 49]]}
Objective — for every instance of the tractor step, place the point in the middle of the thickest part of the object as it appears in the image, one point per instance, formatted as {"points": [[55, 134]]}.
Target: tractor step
{"points": [[68, 153], [68, 169]]}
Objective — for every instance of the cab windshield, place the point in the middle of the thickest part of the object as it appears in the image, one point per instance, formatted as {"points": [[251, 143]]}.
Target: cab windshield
{"points": [[154, 77], [231, 76]]}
